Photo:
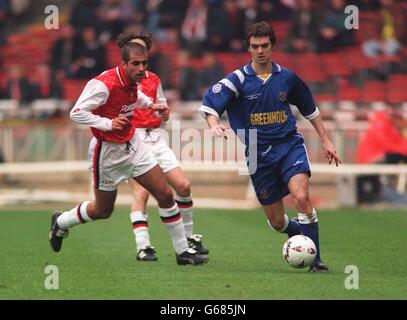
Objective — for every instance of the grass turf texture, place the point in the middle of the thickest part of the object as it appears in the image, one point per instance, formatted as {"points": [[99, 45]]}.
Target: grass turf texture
{"points": [[97, 260]]}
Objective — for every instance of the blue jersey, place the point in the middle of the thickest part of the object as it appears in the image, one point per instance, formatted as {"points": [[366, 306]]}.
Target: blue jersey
{"points": [[254, 103]]}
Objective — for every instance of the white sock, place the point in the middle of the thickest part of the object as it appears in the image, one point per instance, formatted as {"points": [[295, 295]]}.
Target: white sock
{"points": [[185, 207], [140, 229], [173, 221], [286, 222], [75, 216]]}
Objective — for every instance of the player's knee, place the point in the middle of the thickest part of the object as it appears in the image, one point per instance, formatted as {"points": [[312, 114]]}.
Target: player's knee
{"points": [[184, 188], [165, 198], [141, 196], [276, 224], [301, 198], [104, 213]]}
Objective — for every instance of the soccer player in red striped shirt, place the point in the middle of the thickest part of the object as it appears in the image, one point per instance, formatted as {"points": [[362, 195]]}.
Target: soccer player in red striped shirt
{"points": [[148, 125], [107, 104]]}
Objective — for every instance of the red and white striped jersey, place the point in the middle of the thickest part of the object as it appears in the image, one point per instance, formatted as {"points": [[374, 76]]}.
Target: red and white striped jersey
{"points": [[104, 98], [151, 87]]}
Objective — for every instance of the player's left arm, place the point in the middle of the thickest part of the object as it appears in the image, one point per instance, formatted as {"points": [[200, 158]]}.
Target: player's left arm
{"points": [[164, 115], [329, 149], [300, 95], [144, 102]]}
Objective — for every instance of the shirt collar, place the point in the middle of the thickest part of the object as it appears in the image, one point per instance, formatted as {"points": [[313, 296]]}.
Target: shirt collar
{"points": [[249, 70], [122, 77]]}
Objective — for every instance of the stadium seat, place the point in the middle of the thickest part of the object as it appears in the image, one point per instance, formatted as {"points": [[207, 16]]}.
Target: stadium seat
{"points": [[72, 89], [112, 54], [348, 94], [373, 91], [396, 88]]}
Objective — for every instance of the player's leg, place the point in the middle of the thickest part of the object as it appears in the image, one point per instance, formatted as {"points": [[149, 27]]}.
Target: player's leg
{"points": [[87, 211], [139, 220], [183, 197], [154, 181], [307, 216], [270, 190], [279, 221]]}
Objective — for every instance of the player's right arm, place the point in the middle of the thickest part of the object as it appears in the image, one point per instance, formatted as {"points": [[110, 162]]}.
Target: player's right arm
{"points": [[216, 99], [93, 95], [217, 129]]}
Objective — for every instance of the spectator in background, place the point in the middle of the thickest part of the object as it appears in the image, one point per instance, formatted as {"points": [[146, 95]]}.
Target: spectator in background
{"points": [[267, 10], [226, 27], [367, 5], [187, 82], [18, 87], [62, 52], [332, 32], [90, 58], [389, 31], [384, 141], [84, 14], [5, 14], [47, 85], [159, 63], [170, 16], [113, 14], [286, 8], [210, 73], [193, 33], [304, 28]]}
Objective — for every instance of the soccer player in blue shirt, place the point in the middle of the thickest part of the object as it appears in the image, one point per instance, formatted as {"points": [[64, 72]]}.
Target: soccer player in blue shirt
{"points": [[257, 97]]}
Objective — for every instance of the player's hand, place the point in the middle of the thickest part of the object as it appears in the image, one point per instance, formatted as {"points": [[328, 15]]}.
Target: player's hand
{"points": [[330, 153], [120, 123], [160, 108], [219, 130], [163, 113]]}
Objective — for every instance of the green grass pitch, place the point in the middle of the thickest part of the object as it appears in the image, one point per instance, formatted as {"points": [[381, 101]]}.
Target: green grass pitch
{"points": [[97, 260]]}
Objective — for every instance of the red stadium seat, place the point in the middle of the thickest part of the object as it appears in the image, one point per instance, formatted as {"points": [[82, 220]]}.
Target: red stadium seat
{"points": [[348, 94], [72, 89], [373, 91], [112, 54], [396, 88]]}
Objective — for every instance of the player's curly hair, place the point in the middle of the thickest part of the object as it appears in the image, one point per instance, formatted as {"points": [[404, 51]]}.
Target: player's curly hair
{"points": [[261, 29], [125, 38]]}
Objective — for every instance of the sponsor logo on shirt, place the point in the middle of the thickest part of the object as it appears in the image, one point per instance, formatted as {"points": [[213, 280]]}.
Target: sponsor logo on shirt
{"points": [[265, 118], [253, 96], [297, 163], [127, 110]]}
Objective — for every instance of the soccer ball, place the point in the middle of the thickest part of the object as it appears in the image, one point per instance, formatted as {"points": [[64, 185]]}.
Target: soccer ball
{"points": [[299, 251]]}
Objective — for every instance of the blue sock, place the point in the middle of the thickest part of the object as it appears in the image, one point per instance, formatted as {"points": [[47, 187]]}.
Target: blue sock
{"points": [[311, 230], [293, 228]]}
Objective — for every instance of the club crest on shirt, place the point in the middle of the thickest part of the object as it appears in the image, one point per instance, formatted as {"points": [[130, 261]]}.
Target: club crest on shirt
{"points": [[216, 88], [283, 96], [264, 194]]}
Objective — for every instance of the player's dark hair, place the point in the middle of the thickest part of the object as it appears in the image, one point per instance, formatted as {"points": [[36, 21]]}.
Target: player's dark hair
{"points": [[261, 29], [126, 37], [132, 48]]}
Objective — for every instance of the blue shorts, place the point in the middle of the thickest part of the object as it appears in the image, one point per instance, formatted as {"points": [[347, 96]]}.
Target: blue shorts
{"points": [[277, 166]]}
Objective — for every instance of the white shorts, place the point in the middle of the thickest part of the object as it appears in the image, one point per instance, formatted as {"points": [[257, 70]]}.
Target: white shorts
{"points": [[161, 151], [111, 162]]}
